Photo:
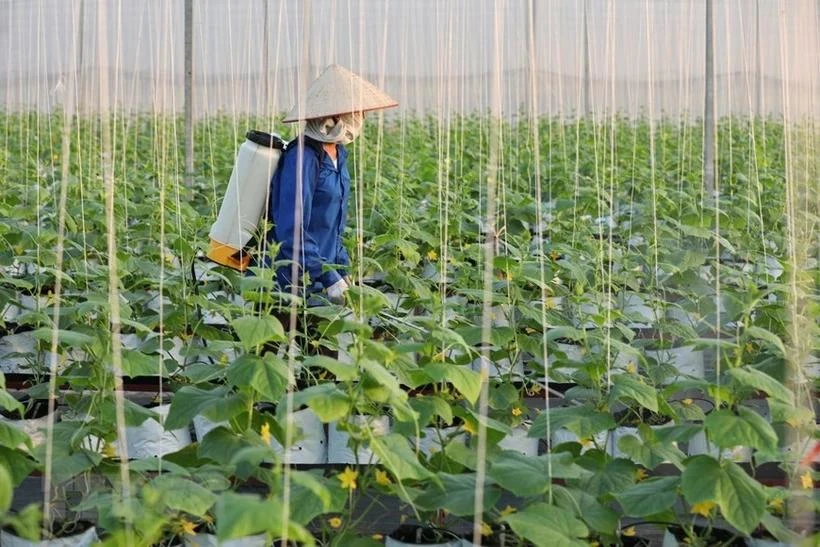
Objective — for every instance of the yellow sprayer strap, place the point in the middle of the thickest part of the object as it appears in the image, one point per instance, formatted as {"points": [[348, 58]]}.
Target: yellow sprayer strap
{"points": [[228, 256]]}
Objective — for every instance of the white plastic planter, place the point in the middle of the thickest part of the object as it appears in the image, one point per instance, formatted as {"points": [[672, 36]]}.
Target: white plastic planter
{"points": [[758, 542], [500, 315], [434, 439], [203, 426], [388, 541], [310, 445], [592, 304], [35, 428], [454, 542], [213, 317], [150, 439], [686, 360], [560, 436], [699, 444], [501, 368], [623, 431], [638, 313], [345, 341], [210, 540], [86, 539], [24, 303], [18, 352], [338, 450], [574, 353], [518, 441]]}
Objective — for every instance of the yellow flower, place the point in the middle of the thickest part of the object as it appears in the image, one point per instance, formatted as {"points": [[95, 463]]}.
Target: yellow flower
{"points": [[777, 505], [516, 411], [470, 427], [382, 478], [432, 255], [586, 442], [265, 433], [334, 522], [687, 401], [348, 478], [806, 481], [555, 255], [629, 532], [640, 474], [509, 510], [535, 388], [486, 529], [377, 537], [188, 527], [702, 508], [109, 450], [631, 368], [439, 357]]}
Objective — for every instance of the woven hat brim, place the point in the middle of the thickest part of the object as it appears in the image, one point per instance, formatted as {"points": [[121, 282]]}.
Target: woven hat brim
{"points": [[338, 91]]}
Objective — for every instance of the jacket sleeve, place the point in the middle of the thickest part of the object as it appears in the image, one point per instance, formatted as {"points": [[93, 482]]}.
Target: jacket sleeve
{"points": [[285, 212]]}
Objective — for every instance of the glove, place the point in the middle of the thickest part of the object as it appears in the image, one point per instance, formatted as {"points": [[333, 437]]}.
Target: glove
{"points": [[336, 292]]}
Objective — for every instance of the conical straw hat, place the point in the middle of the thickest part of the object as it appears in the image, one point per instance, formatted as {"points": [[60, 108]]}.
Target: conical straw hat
{"points": [[339, 91]]}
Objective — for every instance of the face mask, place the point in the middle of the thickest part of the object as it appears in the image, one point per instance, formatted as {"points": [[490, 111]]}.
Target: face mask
{"points": [[337, 129]]}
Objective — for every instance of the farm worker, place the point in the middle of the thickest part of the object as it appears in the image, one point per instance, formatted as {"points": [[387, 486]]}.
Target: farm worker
{"points": [[310, 188]]}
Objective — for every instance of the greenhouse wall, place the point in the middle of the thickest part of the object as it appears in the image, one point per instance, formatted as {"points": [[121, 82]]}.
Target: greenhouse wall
{"points": [[635, 57]]}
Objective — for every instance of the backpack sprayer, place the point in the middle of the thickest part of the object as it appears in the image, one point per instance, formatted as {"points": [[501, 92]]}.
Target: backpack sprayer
{"points": [[245, 200]]}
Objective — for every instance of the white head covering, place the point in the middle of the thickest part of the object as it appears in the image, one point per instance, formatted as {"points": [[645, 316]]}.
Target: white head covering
{"points": [[335, 129], [338, 91]]}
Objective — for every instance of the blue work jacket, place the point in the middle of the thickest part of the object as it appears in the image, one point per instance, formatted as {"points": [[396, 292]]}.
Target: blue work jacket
{"points": [[323, 204]]}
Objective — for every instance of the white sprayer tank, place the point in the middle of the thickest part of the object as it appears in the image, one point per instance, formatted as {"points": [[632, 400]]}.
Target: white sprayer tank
{"points": [[245, 199]]}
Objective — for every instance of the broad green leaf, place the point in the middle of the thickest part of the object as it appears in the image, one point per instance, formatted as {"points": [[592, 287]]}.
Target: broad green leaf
{"points": [[548, 526], [649, 497], [741, 499], [266, 375], [771, 339], [397, 457], [757, 379], [326, 400], [456, 494], [65, 337], [180, 494], [587, 508], [747, 428], [68, 466], [313, 484], [583, 421], [608, 475], [220, 445], [530, 475], [700, 478], [383, 377], [189, 401], [6, 491], [464, 379], [256, 330], [12, 437], [137, 363], [7, 402], [344, 372], [17, 463], [242, 515], [625, 386]]}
